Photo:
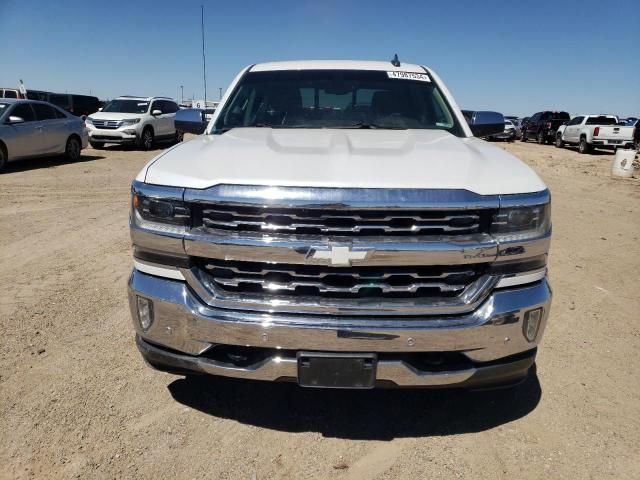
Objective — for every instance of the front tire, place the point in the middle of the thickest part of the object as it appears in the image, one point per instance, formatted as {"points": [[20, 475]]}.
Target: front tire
{"points": [[3, 158], [541, 138], [179, 136], [583, 146], [146, 139], [73, 149], [559, 142], [523, 138]]}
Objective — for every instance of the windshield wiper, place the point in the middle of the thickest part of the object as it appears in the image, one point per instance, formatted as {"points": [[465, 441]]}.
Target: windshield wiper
{"points": [[370, 125]]}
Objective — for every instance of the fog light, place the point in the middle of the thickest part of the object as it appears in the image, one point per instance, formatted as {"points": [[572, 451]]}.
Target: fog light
{"points": [[532, 320], [130, 131], [145, 312]]}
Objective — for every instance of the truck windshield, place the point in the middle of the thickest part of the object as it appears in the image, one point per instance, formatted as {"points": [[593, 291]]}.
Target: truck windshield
{"points": [[337, 99], [126, 106]]}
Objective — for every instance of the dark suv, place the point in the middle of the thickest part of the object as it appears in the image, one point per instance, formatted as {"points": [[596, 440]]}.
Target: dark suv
{"points": [[542, 126]]}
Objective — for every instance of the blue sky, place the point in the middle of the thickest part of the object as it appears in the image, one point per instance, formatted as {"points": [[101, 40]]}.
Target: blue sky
{"points": [[513, 57]]}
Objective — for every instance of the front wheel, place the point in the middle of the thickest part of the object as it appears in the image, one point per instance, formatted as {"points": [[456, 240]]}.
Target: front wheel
{"points": [[179, 136], [73, 149], [559, 142], [3, 159], [541, 138], [146, 139], [523, 138]]}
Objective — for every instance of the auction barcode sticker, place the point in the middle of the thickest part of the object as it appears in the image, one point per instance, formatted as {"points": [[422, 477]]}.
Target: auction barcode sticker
{"points": [[421, 77]]}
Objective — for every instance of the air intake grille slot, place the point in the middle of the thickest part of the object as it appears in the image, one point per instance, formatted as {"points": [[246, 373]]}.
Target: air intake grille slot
{"points": [[340, 282], [316, 221], [107, 124]]}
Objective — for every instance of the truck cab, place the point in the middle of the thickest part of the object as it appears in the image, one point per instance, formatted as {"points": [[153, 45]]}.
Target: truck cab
{"points": [[339, 224]]}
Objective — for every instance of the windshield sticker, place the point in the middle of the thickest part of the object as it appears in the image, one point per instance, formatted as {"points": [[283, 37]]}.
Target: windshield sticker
{"points": [[421, 77]]}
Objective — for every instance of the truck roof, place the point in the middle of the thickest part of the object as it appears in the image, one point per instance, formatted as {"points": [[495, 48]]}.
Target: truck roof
{"points": [[336, 65]]}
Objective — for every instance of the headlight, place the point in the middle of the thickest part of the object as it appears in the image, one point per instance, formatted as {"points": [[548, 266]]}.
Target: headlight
{"points": [[130, 121], [89, 120], [521, 223], [162, 215]]}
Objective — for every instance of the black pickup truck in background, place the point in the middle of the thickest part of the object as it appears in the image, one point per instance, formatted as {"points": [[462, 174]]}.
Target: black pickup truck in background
{"points": [[542, 126]]}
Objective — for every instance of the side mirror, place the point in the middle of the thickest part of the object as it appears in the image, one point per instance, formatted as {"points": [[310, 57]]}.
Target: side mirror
{"points": [[191, 120], [13, 119], [483, 124], [156, 113]]}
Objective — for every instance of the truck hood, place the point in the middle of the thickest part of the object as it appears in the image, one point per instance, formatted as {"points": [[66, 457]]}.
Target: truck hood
{"points": [[342, 158]]}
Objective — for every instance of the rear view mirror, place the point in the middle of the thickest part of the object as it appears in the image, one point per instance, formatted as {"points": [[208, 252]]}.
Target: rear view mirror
{"points": [[14, 119], [191, 120], [483, 124]]}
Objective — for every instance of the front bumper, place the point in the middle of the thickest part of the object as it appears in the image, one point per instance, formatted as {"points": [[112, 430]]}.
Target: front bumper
{"points": [[112, 136], [186, 332]]}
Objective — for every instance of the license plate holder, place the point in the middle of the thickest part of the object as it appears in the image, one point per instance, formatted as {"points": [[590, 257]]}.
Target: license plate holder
{"points": [[337, 370]]}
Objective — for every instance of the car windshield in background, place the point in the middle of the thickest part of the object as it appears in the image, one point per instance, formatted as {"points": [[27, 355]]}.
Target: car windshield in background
{"points": [[601, 121], [126, 106], [336, 99]]}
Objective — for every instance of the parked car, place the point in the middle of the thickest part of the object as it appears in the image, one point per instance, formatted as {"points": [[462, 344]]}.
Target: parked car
{"points": [[508, 134], [30, 129], [517, 123], [542, 126], [591, 131], [339, 224], [41, 95], [520, 127], [79, 105], [9, 93], [134, 120], [635, 123]]}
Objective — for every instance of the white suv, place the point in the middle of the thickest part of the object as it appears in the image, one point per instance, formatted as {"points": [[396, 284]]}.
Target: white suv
{"points": [[138, 120]]}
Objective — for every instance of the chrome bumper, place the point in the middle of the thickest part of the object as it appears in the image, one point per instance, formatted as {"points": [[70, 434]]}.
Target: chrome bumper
{"points": [[185, 328]]}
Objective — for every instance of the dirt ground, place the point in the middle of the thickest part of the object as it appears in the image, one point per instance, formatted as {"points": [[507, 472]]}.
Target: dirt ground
{"points": [[77, 401]]}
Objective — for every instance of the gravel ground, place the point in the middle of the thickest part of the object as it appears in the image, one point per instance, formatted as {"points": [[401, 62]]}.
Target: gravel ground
{"points": [[77, 400]]}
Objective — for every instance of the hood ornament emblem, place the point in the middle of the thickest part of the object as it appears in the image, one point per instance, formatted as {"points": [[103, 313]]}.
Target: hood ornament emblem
{"points": [[338, 255]]}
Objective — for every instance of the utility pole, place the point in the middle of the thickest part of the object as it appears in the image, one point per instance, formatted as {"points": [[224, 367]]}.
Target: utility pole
{"points": [[220, 98], [181, 93], [204, 61]]}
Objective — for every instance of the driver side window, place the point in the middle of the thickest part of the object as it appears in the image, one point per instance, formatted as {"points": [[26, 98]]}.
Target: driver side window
{"points": [[24, 111]]}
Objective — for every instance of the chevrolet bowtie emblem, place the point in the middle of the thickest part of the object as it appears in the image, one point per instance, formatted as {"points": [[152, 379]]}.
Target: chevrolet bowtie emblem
{"points": [[337, 255]]}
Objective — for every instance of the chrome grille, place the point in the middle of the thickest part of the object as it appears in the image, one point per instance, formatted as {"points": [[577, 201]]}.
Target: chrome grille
{"points": [[340, 282], [316, 221], [107, 124]]}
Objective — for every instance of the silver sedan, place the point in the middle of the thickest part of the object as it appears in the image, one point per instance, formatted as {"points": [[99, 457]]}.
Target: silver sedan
{"points": [[31, 129]]}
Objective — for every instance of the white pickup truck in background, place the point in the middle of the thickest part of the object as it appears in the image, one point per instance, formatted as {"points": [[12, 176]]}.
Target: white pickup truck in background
{"points": [[591, 131]]}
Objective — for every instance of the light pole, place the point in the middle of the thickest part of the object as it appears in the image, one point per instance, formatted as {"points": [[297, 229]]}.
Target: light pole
{"points": [[181, 93], [220, 98], [204, 61]]}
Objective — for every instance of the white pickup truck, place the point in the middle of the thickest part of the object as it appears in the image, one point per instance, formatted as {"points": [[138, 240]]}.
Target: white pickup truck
{"points": [[591, 131], [340, 225]]}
